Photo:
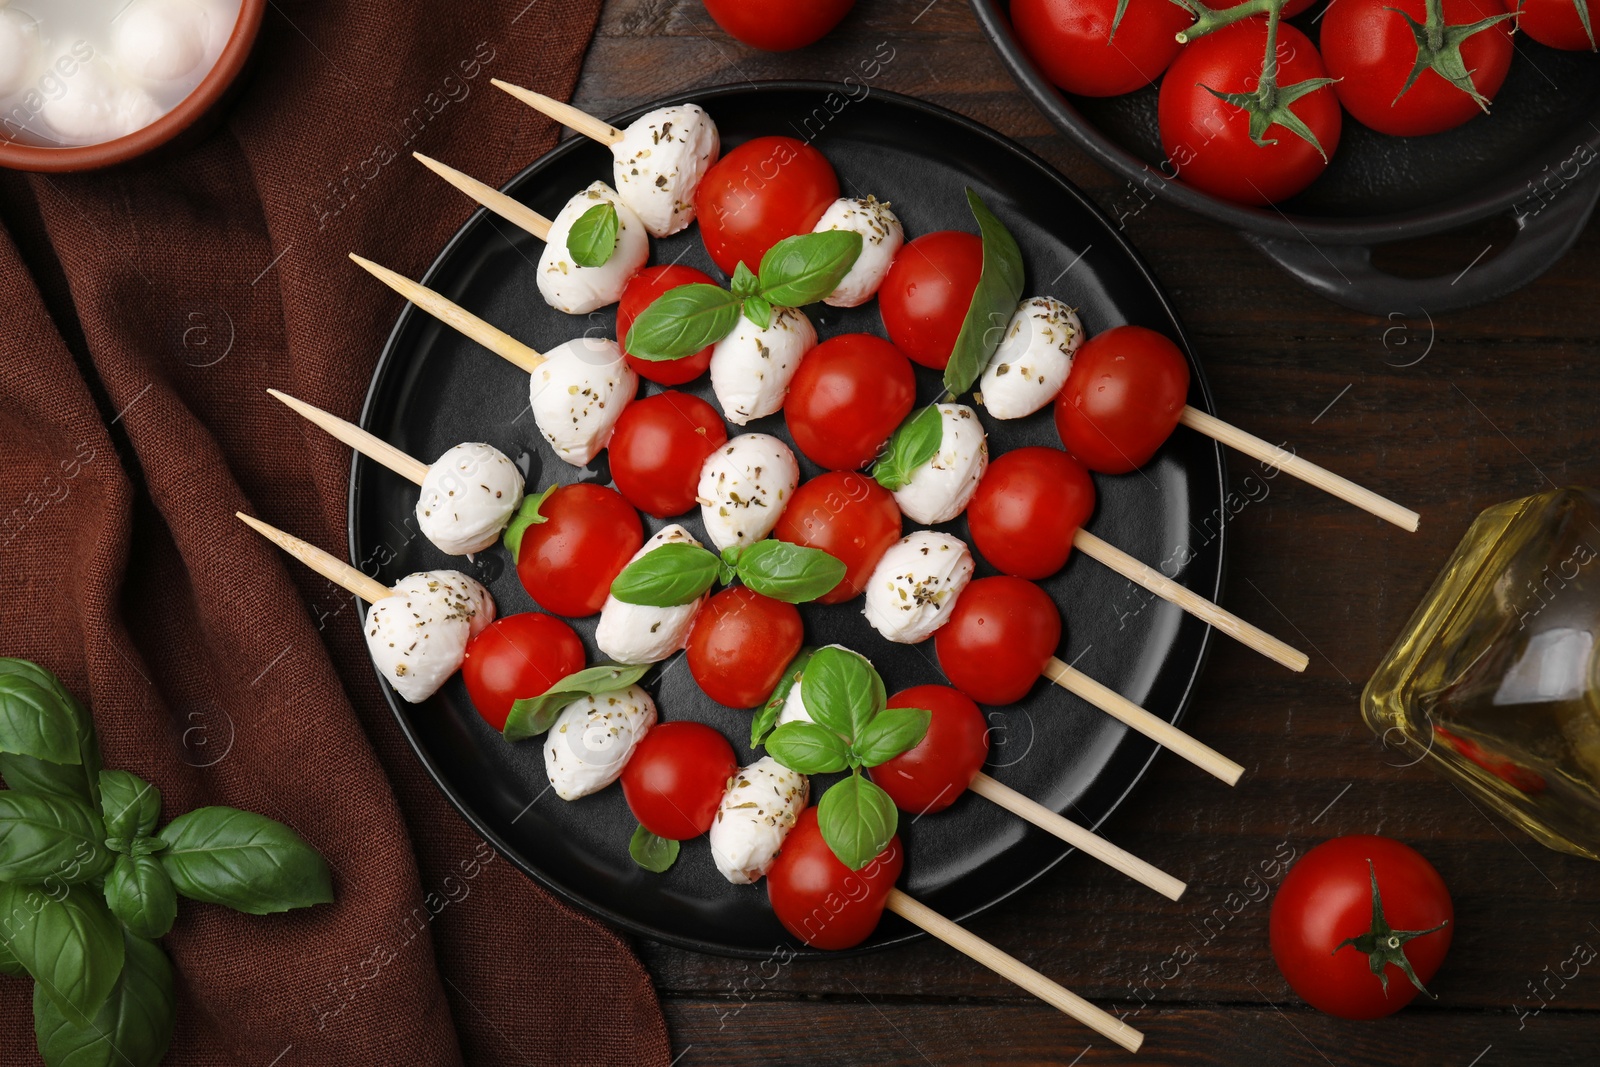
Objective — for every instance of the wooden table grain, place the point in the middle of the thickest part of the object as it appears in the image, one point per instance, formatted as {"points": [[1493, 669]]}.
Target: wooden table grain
{"points": [[1447, 417]]}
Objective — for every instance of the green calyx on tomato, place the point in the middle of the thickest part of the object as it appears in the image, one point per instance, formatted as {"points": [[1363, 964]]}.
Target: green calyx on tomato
{"points": [[1384, 946], [527, 515], [1269, 104], [993, 301], [680, 573], [1439, 49]]}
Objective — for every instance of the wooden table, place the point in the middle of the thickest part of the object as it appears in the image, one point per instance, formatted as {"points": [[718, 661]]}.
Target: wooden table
{"points": [[1480, 407]]}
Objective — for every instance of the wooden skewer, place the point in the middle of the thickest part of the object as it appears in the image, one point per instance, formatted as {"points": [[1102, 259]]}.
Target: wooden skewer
{"points": [[566, 114], [1305, 470], [509, 208], [1090, 843], [1014, 970], [1127, 712], [450, 313], [330, 567], [374, 448], [1190, 601]]}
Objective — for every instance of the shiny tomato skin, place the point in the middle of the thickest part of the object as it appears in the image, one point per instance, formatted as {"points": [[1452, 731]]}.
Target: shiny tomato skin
{"points": [[1028, 506], [1556, 23], [640, 292], [998, 639], [1327, 897], [778, 25], [764, 190], [1208, 141], [925, 296], [568, 561], [675, 779], [821, 901], [658, 447], [847, 396], [932, 775], [847, 515], [1126, 392], [739, 645], [518, 656], [1072, 44]]}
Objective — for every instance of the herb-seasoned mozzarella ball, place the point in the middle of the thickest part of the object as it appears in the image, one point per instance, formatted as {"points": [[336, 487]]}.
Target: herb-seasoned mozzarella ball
{"points": [[418, 635], [592, 739], [578, 290], [881, 238], [751, 367], [468, 496], [761, 806], [97, 105], [577, 393], [941, 488], [749, 482], [638, 633], [914, 588], [19, 50], [1030, 366], [659, 163]]}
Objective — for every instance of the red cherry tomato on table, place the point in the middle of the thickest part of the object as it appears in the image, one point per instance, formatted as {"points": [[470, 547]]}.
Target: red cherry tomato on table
{"points": [[925, 296], [850, 517], [640, 292], [1028, 506], [568, 561], [758, 194], [1072, 42], [676, 777], [658, 447], [821, 901], [1556, 23], [518, 656], [931, 776], [847, 396], [998, 639], [1123, 399], [739, 645], [778, 25], [1327, 898]]}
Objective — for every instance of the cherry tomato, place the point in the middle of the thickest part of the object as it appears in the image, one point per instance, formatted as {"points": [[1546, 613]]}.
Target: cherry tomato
{"points": [[518, 656], [925, 296], [850, 517], [1072, 42], [568, 561], [1208, 140], [1556, 22], [1512, 773], [1123, 399], [640, 292], [931, 776], [1028, 506], [675, 778], [658, 447], [778, 25], [758, 194], [821, 901], [847, 396], [739, 645], [999, 637], [1327, 898]]}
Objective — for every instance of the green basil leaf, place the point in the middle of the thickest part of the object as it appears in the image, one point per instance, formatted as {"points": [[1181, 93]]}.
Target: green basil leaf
{"points": [[803, 269], [68, 941], [139, 892], [653, 853], [758, 310], [993, 302], [682, 321], [527, 515], [144, 846], [9, 964], [132, 1028], [891, 732], [806, 748], [914, 443], [842, 691], [675, 573], [744, 282], [593, 237], [243, 861], [857, 820], [29, 774], [532, 716], [35, 721], [791, 573], [767, 717], [58, 839], [130, 805]]}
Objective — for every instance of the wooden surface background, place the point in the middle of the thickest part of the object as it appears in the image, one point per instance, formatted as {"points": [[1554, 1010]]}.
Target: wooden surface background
{"points": [[1448, 418]]}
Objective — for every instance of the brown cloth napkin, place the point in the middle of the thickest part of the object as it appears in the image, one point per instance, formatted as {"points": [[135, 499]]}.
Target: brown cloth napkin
{"points": [[143, 314]]}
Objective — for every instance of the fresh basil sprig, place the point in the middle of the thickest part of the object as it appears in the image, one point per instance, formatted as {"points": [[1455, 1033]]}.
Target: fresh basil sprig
{"points": [[532, 716], [682, 321], [133, 1026], [803, 269], [527, 515], [593, 237], [654, 854], [58, 838], [993, 302], [914, 443], [671, 574], [767, 717], [209, 847], [679, 573]]}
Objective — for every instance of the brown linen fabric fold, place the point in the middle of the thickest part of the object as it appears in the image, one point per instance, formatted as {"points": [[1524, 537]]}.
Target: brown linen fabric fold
{"points": [[143, 314]]}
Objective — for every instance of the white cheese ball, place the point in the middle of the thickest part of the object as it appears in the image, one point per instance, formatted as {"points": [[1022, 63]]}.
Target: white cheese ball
{"points": [[748, 481], [1031, 365], [914, 588], [752, 367], [881, 238], [578, 393], [467, 497], [659, 162], [593, 738], [19, 50], [941, 488], [761, 806], [578, 290], [163, 40], [639, 633], [97, 106], [418, 635]]}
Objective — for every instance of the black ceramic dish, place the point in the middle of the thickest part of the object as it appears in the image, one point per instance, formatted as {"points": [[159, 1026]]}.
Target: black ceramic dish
{"points": [[1529, 159], [433, 389]]}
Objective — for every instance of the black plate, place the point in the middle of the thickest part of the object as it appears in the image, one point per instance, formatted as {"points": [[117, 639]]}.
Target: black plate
{"points": [[433, 389]]}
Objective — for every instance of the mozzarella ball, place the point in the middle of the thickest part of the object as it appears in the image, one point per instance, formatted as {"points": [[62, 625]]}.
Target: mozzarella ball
{"points": [[759, 809], [19, 50], [881, 238], [748, 481], [1031, 365], [592, 739], [751, 367], [914, 588], [96, 106], [467, 497], [418, 635], [577, 394], [659, 162], [578, 290], [638, 633], [941, 488], [162, 40], [466, 596]]}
